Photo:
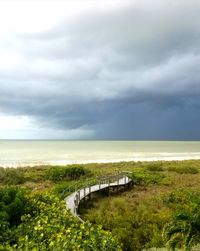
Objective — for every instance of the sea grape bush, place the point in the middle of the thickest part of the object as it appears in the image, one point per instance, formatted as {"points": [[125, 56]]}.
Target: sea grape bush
{"points": [[154, 167], [59, 173], [184, 169], [146, 178], [13, 204], [52, 227]]}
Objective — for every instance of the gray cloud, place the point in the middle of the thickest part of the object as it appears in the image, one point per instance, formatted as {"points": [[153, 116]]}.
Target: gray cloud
{"points": [[128, 73]]}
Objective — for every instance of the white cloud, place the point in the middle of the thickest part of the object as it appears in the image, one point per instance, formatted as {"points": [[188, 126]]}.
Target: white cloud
{"points": [[23, 127], [38, 16]]}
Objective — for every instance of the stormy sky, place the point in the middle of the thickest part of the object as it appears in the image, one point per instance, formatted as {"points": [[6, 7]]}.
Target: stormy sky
{"points": [[122, 70]]}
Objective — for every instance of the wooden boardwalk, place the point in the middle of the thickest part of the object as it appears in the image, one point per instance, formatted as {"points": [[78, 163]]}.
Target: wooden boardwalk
{"points": [[74, 199]]}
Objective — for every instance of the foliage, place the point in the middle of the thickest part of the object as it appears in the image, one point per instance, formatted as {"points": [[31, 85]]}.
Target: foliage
{"points": [[11, 176], [136, 179], [13, 205], [73, 172], [61, 186], [137, 227], [182, 197], [52, 227], [146, 178], [136, 216], [154, 167], [183, 169], [184, 230]]}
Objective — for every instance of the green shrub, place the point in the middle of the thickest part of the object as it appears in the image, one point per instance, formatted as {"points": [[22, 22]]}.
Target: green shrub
{"points": [[154, 168], [136, 179], [182, 197], [183, 169], [146, 178], [11, 176], [184, 230], [58, 173], [52, 227], [13, 204]]}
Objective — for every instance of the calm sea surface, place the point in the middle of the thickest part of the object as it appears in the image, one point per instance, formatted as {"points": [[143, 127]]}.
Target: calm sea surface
{"points": [[22, 153]]}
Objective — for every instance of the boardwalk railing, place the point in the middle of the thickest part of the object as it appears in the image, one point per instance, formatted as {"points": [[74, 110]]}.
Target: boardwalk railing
{"points": [[93, 185]]}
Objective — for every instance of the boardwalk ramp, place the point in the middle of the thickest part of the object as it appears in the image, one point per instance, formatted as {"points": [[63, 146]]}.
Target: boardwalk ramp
{"points": [[74, 199]]}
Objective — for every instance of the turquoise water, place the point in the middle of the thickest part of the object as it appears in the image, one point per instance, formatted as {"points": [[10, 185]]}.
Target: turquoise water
{"points": [[22, 153]]}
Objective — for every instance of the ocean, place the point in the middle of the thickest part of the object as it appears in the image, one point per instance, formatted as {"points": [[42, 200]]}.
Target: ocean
{"points": [[14, 153]]}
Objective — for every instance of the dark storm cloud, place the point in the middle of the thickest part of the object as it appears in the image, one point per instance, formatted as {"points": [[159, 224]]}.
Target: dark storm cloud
{"points": [[131, 72], [141, 122]]}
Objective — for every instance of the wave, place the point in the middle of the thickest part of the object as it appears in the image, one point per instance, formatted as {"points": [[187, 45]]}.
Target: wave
{"points": [[136, 158]]}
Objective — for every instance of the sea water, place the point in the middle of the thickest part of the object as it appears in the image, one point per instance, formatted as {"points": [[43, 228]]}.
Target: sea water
{"points": [[15, 153]]}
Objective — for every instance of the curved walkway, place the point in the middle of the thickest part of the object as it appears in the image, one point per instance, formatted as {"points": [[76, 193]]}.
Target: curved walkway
{"points": [[74, 199]]}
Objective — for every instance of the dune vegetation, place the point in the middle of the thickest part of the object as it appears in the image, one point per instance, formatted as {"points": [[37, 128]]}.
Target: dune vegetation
{"points": [[159, 212]]}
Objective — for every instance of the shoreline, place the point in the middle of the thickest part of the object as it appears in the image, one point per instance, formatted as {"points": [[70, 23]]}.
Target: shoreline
{"points": [[96, 161]]}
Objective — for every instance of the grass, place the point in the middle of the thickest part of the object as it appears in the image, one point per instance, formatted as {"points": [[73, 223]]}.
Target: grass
{"points": [[136, 216]]}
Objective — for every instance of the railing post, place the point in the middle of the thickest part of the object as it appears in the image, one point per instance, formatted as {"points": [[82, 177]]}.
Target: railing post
{"points": [[79, 196], [118, 183], [108, 186], [75, 205], [89, 191]]}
